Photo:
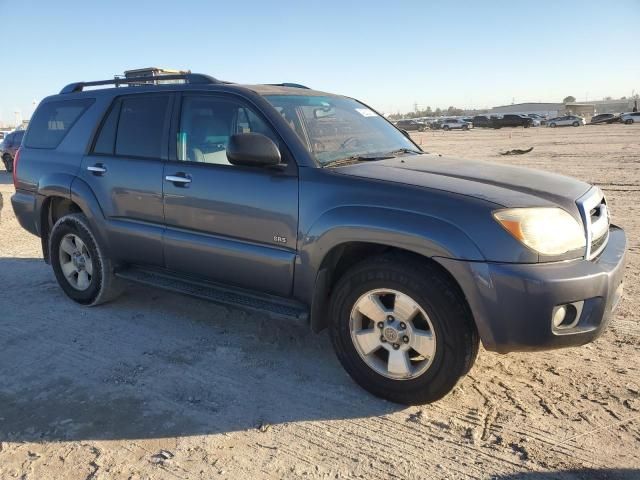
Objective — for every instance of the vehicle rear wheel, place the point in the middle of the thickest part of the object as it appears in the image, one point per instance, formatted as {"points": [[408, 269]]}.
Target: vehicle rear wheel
{"points": [[552, 125], [79, 264], [445, 127], [402, 329], [8, 163], [628, 121], [576, 124]]}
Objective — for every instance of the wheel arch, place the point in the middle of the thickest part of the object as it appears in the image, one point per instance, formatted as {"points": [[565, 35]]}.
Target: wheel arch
{"points": [[349, 235], [61, 200]]}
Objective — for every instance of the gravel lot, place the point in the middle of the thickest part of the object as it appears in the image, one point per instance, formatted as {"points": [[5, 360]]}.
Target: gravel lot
{"points": [[157, 385]]}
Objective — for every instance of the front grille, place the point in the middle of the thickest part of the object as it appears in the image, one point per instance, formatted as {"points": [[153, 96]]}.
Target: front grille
{"points": [[595, 216]]}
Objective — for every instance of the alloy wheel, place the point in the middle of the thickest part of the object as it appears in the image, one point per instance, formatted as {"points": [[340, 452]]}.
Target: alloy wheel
{"points": [[392, 334]]}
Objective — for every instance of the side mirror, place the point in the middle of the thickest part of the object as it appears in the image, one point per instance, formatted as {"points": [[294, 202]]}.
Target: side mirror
{"points": [[252, 150]]}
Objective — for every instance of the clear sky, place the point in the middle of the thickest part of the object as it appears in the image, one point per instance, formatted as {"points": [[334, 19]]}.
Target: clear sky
{"points": [[389, 53]]}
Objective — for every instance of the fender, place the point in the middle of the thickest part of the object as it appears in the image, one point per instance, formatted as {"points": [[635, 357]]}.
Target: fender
{"points": [[83, 196], [55, 185], [425, 235]]}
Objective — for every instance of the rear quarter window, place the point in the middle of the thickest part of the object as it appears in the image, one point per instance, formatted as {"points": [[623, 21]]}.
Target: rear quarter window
{"points": [[53, 120]]}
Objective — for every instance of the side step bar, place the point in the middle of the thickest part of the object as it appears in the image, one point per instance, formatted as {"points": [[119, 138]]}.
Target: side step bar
{"points": [[268, 304]]}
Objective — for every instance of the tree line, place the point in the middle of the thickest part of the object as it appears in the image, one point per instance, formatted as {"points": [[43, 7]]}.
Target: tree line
{"points": [[428, 112]]}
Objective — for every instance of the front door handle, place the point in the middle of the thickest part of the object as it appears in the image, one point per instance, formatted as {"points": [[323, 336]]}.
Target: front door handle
{"points": [[179, 179], [97, 169]]}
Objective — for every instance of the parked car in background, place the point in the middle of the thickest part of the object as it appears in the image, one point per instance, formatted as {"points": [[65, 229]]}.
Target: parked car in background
{"points": [[410, 125], [483, 121], [604, 118], [566, 121], [455, 124], [10, 146], [535, 116], [436, 124], [631, 117], [514, 120]]}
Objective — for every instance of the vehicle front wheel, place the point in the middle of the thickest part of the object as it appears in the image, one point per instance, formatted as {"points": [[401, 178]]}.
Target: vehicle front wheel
{"points": [[629, 121], [8, 163], [576, 124], [79, 263], [402, 329], [465, 127], [552, 125], [445, 127]]}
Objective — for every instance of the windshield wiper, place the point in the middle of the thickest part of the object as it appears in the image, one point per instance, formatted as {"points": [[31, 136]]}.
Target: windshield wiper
{"points": [[404, 150], [355, 159]]}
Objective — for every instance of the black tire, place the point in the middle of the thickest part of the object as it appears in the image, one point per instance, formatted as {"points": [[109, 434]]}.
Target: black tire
{"points": [[457, 340], [465, 127], [576, 124], [628, 121], [552, 125], [103, 286], [8, 163], [445, 127]]}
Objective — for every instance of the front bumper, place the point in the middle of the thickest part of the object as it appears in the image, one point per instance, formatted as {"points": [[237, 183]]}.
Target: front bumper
{"points": [[512, 304]]}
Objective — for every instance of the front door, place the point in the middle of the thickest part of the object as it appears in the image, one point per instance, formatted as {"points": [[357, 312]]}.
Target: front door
{"points": [[124, 170], [232, 224]]}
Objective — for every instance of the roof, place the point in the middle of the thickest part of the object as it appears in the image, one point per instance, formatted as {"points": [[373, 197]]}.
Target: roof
{"points": [[193, 81], [280, 90]]}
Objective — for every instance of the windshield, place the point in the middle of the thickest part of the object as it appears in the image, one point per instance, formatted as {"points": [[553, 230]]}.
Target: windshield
{"points": [[335, 128]]}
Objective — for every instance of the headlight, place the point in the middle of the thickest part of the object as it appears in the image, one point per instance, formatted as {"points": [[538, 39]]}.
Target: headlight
{"points": [[549, 231]]}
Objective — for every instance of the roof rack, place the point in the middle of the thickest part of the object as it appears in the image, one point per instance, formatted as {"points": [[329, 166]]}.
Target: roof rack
{"points": [[287, 84], [193, 78]]}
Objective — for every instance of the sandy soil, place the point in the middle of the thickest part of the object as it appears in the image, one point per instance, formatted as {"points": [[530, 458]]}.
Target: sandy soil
{"points": [[157, 385]]}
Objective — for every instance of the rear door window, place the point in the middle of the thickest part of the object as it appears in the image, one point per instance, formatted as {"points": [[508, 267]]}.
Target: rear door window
{"points": [[53, 120], [142, 124], [135, 126]]}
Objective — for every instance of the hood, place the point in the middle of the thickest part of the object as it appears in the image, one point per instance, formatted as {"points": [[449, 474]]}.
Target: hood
{"points": [[504, 185]]}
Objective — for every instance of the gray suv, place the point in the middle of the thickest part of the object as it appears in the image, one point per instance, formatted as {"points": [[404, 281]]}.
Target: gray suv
{"points": [[313, 207]]}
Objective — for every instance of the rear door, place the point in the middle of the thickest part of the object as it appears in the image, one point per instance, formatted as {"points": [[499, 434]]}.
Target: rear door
{"points": [[232, 224], [124, 170]]}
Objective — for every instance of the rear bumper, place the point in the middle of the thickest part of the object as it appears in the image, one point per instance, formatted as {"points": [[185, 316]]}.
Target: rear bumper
{"points": [[25, 206], [512, 304]]}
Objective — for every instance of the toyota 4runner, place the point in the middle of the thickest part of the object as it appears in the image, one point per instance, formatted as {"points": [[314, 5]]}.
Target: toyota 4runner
{"points": [[312, 206]]}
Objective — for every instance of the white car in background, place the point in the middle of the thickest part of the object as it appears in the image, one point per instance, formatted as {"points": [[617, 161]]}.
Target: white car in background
{"points": [[455, 123], [566, 121], [630, 117]]}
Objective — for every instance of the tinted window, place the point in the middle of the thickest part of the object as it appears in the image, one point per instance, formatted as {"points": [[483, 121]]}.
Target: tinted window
{"points": [[207, 123], [141, 124], [52, 121], [106, 141]]}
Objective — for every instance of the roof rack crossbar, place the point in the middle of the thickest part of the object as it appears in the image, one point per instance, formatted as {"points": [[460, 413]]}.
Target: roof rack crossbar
{"points": [[288, 84], [193, 78]]}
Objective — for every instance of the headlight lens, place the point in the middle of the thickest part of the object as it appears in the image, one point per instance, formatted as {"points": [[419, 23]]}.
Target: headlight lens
{"points": [[549, 231]]}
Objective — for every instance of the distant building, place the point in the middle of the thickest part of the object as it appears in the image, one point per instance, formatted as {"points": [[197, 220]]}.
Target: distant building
{"points": [[545, 109], [611, 106]]}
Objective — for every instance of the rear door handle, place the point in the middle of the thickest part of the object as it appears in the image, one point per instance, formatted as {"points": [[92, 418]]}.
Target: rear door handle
{"points": [[179, 179], [97, 169]]}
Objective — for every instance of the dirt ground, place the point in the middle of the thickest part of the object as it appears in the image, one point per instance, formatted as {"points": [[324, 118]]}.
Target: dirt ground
{"points": [[157, 385]]}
